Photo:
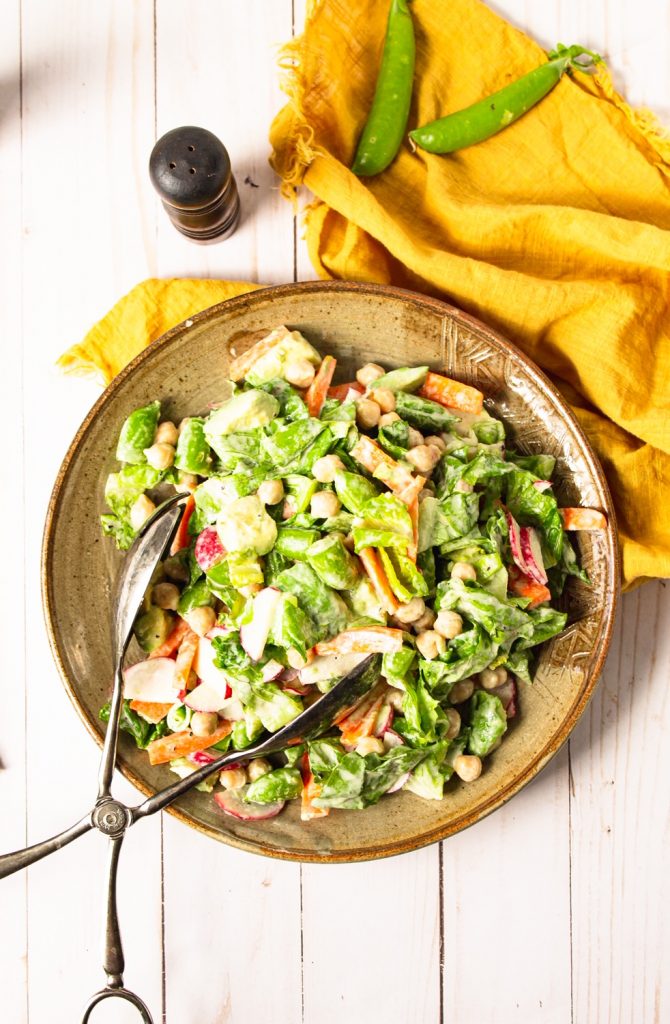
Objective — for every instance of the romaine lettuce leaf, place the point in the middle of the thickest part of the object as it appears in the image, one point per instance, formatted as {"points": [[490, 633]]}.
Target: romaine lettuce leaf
{"points": [[488, 722]]}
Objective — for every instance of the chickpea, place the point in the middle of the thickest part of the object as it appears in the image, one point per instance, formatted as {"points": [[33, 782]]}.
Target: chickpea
{"points": [[300, 373], [502, 675], [256, 769], [160, 456], [325, 468], [201, 620], [271, 492], [434, 439], [175, 569], [454, 720], [463, 487], [449, 624], [430, 644], [388, 418], [324, 504], [141, 509], [187, 482], [463, 571], [426, 621], [165, 595], [489, 678], [368, 373], [412, 611], [468, 767], [204, 723], [424, 457], [461, 691], [384, 398], [166, 433], [182, 424], [369, 745], [233, 778], [415, 438], [289, 508], [367, 414]]}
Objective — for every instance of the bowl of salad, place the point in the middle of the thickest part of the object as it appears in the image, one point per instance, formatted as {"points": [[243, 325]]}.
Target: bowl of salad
{"points": [[369, 471]]}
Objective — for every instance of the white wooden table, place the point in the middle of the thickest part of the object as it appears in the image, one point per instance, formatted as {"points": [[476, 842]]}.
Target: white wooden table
{"points": [[552, 910]]}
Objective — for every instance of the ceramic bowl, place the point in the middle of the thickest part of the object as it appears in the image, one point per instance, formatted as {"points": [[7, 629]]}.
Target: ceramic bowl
{"points": [[357, 323]]}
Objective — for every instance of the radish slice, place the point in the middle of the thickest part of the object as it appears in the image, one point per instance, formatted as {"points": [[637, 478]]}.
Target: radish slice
{"points": [[393, 739], [507, 693], [209, 550], [232, 802], [384, 720], [217, 631], [531, 552], [201, 757], [153, 681], [207, 671], [515, 543], [296, 687], [399, 783], [271, 670], [204, 698], [254, 634], [542, 485], [231, 710]]}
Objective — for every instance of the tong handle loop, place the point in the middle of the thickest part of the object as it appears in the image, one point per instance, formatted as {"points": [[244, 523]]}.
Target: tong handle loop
{"points": [[117, 993]]}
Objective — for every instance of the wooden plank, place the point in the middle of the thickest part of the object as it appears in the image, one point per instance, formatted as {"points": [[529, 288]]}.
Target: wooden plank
{"points": [[88, 95], [245, 917], [371, 937], [13, 940], [621, 794]]}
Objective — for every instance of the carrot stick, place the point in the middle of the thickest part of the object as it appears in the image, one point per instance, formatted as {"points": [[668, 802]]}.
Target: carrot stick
{"points": [[524, 586], [185, 658], [375, 570], [451, 393], [583, 519], [182, 537], [340, 391], [180, 744], [173, 642], [381, 465], [151, 711], [310, 790], [363, 640], [240, 366], [317, 392]]}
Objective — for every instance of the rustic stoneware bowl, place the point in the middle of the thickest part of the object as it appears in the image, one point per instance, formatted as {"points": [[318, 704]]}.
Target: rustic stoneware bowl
{"points": [[358, 323]]}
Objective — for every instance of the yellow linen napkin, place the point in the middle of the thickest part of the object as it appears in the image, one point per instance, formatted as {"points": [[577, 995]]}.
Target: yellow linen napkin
{"points": [[556, 231]]}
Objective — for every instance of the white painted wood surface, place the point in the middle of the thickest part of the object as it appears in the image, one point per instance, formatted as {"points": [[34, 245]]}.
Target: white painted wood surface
{"points": [[555, 908]]}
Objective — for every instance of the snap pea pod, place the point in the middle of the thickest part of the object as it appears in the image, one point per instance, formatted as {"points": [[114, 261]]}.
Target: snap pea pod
{"points": [[485, 118], [386, 123], [353, 490], [294, 542], [422, 413], [406, 378], [331, 561]]}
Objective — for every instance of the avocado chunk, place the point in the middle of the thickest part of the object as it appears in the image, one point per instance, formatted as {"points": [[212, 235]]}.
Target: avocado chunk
{"points": [[246, 526], [273, 364], [246, 411], [152, 628]]}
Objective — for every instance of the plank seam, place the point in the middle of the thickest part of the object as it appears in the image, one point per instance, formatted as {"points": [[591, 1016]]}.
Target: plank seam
{"points": [[440, 862]]}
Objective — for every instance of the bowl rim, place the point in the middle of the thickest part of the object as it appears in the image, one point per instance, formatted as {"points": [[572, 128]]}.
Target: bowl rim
{"points": [[539, 378]]}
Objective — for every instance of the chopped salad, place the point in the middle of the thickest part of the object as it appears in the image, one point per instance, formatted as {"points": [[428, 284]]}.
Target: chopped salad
{"points": [[327, 522]]}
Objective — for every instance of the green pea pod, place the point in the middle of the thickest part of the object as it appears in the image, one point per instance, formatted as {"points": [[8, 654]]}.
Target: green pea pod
{"points": [[422, 413], [193, 454], [407, 378], [354, 490], [485, 118], [137, 433], [333, 563], [386, 123], [294, 543]]}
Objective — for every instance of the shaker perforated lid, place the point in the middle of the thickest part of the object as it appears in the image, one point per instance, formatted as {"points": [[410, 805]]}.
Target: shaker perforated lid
{"points": [[190, 170]]}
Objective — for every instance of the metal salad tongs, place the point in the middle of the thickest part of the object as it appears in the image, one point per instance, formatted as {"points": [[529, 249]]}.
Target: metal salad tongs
{"points": [[111, 816]]}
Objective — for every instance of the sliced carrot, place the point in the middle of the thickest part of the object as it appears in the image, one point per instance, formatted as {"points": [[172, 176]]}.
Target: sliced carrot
{"points": [[317, 392], [583, 519], [185, 658], [182, 537], [451, 393], [173, 642], [375, 570], [310, 790], [381, 465], [241, 365], [524, 586], [150, 710], [363, 640], [180, 744], [340, 391]]}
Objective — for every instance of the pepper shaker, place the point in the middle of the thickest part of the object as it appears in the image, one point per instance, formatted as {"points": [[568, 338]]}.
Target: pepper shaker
{"points": [[190, 170]]}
